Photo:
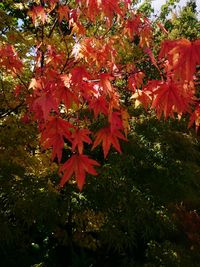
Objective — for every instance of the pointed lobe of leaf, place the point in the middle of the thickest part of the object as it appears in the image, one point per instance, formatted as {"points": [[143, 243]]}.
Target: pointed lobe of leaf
{"points": [[78, 165], [125, 121], [9, 59], [183, 57], [53, 135], [63, 12], [106, 84], [78, 137], [170, 98], [38, 14], [195, 118], [99, 105], [135, 81], [46, 102], [109, 8], [107, 138]]}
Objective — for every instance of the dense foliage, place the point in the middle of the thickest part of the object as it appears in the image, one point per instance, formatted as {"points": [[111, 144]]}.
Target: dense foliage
{"points": [[74, 75]]}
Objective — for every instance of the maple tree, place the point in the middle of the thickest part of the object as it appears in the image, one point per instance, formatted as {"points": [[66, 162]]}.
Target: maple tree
{"points": [[73, 77], [143, 207]]}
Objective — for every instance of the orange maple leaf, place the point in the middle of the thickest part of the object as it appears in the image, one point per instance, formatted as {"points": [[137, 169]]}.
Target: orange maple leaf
{"points": [[142, 97], [125, 121], [108, 137], [63, 12], [195, 118], [139, 25], [78, 165], [96, 51], [38, 14], [183, 57], [145, 35], [94, 7]]}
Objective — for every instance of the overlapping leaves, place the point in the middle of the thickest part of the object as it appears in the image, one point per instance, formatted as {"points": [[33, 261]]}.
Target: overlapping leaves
{"points": [[74, 85]]}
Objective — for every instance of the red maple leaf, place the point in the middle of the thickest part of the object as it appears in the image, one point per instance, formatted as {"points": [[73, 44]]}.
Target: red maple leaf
{"points": [[91, 8], [96, 51], [115, 121], [46, 102], [99, 105], [110, 8], [169, 97], [163, 29], [145, 35], [78, 165], [131, 26], [54, 60], [108, 137], [9, 59], [53, 134], [56, 142], [67, 96], [135, 81], [78, 137], [151, 55], [78, 75], [63, 12]]}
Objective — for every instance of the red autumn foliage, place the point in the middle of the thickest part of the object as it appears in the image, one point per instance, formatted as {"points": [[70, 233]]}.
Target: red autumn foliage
{"points": [[82, 74], [78, 165]]}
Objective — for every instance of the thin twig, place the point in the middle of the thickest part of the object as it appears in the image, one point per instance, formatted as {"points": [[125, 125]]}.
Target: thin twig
{"points": [[11, 110], [52, 28]]}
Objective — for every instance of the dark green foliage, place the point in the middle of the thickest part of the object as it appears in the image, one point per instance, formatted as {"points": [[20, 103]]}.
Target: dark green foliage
{"points": [[159, 168], [124, 217]]}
